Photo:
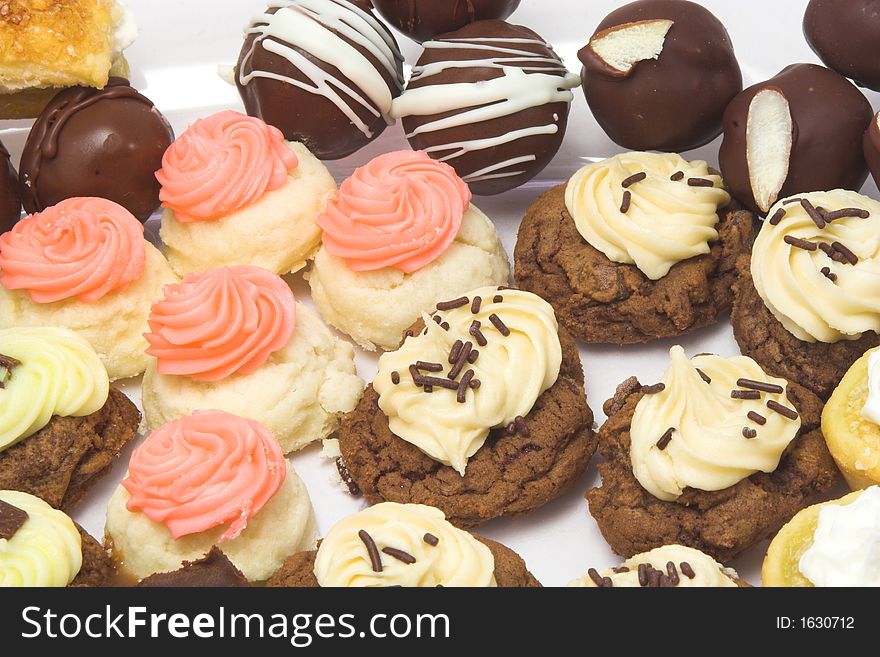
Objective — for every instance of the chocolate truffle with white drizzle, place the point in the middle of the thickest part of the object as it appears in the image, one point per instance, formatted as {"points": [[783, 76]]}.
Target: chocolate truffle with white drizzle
{"points": [[323, 72], [491, 100]]}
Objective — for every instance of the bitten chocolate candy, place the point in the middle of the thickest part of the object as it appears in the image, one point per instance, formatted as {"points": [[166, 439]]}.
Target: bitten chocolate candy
{"points": [[845, 34], [96, 142], [658, 74], [871, 147], [424, 19], [10, 200], [800, 131], [324, 72], [491, 100]]}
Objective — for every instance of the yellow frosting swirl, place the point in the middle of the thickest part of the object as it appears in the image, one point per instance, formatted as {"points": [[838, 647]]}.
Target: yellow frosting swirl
{"points": [[457, 558], [667, 220], [810, 304], [45, 551], [706, 571], [513, 371], [58, 373], [708, 449]]}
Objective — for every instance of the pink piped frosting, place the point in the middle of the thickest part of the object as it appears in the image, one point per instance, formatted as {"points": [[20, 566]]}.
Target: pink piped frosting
{"points": [[221, 322], [400, 210], [203, 471], [83, 248], [221, 164]]}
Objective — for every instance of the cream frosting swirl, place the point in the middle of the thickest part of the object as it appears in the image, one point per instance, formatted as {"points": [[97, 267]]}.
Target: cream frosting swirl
{"points": [[45, 551], [221, 164], [205, 470], [716, 440], [400, 210], [221, 322], [692, 569], [83, 248], [46, 371], [415, 545], [667, 220], [814, 292], [513, 370]]}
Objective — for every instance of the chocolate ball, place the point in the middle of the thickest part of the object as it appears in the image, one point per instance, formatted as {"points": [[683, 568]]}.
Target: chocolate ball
{"points": [[10, 201], [421, 20], [845, 34], [658, 74], [808, 124], [96, 142], [491, 100], [871, 148], [324, 72]]}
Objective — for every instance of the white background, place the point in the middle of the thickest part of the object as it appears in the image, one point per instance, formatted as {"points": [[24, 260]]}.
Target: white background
{"points": [[174, 62]]}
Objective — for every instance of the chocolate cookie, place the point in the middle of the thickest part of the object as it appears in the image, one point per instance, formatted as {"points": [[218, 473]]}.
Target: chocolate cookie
{"points": [[96, 569], [603, 301], [721, 523], [510, 474], [61, 462], [510, 570], [818, 366]]}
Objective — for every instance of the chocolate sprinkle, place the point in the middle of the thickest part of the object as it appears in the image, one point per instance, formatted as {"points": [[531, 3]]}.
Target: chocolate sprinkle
{"points": [[813, 213], [461, 395], [463, 355], [654, 389], [643, 570], [672, 573], [784, 411], [430, 539], [749, 433], [415, 374], [799, 243], [430, 381], [501, 326], [475, 306], [745, 394], [353, 489], [665, 439], [654, 577], [428, 367], [400, 555], [620, 569], [437, 319], [472, 357], [757, 418], [497, 298], [700, 182], [847, 212], [456, 349], [11, 520], [455, 303], [703, 375], [477, 333], [596, 577], [777, 217], [827, 273], [678, 175], [633, 179], [760, 385], [687, 570], [789, 201], [372, 550], [395, 377], [851, 257], [625, 203], [444, 326]]}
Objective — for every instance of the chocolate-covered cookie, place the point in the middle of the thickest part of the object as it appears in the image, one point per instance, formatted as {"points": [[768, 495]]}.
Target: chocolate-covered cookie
{"points": [[871, 147], [96, 142], [799, 131], [845, 34], [659, 73], [491, 100], [323, 72], [424, 19], [10, 199]]}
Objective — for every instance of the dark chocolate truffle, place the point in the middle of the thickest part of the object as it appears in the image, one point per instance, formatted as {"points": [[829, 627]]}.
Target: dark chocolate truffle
{"points": [[424, 19], [490, 100], [845, 34], [800, 131], [96, 142], [324, 72], [10, 201], [871, 147], [659, 73]]}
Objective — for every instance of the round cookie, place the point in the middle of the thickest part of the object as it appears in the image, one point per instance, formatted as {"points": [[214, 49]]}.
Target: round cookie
{"points": [[10, 199], [799, 308], [400, 234], [266, 218], [518, 467], [722, 523], [843, 33], [601, 300], [421, 20]]}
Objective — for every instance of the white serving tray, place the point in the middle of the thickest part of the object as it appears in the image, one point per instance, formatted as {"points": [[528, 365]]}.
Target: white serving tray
{"points": [[174, 62]]}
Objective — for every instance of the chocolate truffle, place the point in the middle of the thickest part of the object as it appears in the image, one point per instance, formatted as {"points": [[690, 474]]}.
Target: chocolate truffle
{"points": [[490, 100], [324, 72], [424, 19], [800, 131], [658, 74], [96, 142], [871, 147], [845, 34], [10, 201]]}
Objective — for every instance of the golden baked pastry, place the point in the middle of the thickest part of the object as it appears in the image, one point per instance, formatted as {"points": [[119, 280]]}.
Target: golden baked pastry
{"points": [[50, 44], [853, 440]]}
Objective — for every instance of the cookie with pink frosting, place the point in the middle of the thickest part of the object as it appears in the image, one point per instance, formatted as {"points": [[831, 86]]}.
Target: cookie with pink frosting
{"points": [[84, 264], [400, 234], [208, 479], [235, 338], [235, 193]]}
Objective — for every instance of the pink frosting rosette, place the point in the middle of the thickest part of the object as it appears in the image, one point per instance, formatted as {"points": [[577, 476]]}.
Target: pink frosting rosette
{"points": [[83, 248], [400, 210], [221, 164]]}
